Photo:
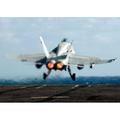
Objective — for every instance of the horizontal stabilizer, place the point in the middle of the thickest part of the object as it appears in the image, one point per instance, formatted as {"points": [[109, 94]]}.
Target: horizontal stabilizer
{"points": [[111, 60]]}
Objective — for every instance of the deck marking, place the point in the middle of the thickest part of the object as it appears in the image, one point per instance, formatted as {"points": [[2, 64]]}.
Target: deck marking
{"points": [[45, 97], [41, 86], [40, 97], [76, 86]]}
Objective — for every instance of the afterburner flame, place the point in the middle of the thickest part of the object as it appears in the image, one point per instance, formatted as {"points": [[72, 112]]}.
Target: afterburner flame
{"points": [[50, 65], [59, 65]]}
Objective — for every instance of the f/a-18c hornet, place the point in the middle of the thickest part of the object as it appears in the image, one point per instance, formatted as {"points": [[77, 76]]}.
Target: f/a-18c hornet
{"points": [[61, 58]]}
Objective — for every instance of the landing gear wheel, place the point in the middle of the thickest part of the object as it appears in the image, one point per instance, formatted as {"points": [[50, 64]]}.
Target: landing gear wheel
{"points": [[73, 77]]}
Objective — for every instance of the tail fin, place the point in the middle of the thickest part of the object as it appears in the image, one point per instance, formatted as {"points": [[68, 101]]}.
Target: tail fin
{"points": [[44, 47]]}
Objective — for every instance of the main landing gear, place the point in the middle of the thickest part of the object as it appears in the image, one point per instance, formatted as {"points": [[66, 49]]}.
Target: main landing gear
{"points": [[45, 75], [73, 76]]}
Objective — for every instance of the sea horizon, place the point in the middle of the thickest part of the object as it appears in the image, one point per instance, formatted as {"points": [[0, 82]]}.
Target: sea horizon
{"points": [[88, 80]]}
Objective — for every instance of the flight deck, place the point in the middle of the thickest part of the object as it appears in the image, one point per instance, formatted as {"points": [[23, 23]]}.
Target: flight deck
{"points": [[64, 93]]}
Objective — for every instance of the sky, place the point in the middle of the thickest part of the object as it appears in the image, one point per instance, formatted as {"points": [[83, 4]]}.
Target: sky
{"points": [[92, 37]]}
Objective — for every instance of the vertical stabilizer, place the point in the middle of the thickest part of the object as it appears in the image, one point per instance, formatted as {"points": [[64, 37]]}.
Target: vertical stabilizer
{"points": [[44, 47]]}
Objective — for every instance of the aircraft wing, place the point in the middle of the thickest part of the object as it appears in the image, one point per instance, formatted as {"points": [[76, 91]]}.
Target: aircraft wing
{"points": [[85, 60], [31, 58]]}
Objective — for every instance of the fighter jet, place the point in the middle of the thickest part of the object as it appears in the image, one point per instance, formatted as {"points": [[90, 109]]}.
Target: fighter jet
{"points": [[61, 58]]}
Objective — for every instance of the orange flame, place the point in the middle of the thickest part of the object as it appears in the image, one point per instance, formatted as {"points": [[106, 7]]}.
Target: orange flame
{"points": [[50, 65], [59, 65]]}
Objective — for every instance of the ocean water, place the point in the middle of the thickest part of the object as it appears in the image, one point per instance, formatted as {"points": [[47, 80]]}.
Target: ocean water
{"points": [[61, 81]]}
